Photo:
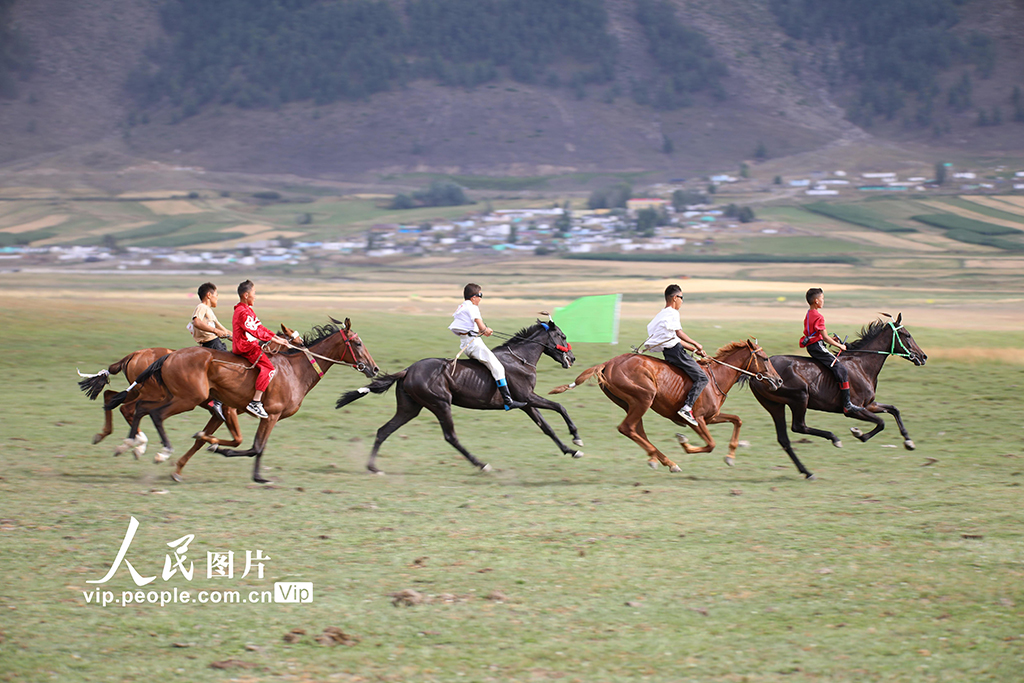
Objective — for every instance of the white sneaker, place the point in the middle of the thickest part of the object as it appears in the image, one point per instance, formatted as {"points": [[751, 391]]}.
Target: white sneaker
{"points": [[256, 408], [687, 415]]}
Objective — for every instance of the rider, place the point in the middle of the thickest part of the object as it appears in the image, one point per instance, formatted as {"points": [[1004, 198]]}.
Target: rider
{"points": [[665, 334], [469, 326], [207, 330], [247, 332], [814, 339]]}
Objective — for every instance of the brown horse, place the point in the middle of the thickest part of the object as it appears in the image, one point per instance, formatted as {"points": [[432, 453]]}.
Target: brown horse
{"points": [[132, 366], [191, 375], [638, 383]]}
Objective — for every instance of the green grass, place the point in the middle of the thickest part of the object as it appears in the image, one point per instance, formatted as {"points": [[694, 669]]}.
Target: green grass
{"points": [[167, 226], [8, 239], [882, 570], [971, 237], [858, 215], [949, 221], [712, 258], [190, 239], [983, 210]]}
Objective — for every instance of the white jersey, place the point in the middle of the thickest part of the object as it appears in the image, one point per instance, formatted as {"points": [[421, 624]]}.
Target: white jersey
{"points": [[465, 317], [661, 331]]}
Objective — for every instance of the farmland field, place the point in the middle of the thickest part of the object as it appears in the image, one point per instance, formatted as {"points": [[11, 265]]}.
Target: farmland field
{"points": [[893, 565]]}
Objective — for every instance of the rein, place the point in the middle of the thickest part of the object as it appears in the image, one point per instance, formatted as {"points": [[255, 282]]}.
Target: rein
{"points": [[760, 377], [310, 356], [556, 347], [892, 345]]}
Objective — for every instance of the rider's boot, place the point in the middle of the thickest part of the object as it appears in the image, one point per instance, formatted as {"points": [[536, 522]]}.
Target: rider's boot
{"points": [[844, 398], [506, 396]]}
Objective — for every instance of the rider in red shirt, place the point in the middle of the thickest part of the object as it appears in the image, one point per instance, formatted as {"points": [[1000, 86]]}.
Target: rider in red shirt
{"points": [[814, 340], [246, 333]]}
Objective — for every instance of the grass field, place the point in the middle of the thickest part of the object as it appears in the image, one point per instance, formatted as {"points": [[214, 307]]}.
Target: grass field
{"points": [[890, 567]]}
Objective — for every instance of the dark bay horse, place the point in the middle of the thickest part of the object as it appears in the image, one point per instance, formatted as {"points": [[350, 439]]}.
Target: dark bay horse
{"points": [[191, 375], [437, 384], [638, 383], [132, 366], [807, 385]]}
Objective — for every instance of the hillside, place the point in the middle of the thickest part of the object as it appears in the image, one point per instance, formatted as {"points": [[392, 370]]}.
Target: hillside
{"points": [[779, 94]]}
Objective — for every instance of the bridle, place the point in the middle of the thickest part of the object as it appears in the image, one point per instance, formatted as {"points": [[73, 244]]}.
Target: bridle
{"points": [[906, 353], [759, 376], [311, 357]]}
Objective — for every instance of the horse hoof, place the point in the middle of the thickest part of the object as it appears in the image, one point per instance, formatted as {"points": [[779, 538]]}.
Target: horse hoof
{"points": [[380, 472], [811, 477], [653, 464], [213, 448], [675, 468], [96, 438], [909, 445], [198, 435], [176, 477], [577, 454], [577, 441], [261, 480], [163, 456], [856, 432], [121, 450], [682, 438], [485, 468], [729, 460], [837, 443]]}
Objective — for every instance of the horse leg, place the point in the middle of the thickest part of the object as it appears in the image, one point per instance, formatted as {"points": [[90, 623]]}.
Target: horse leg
{"points": [[867, 416], [406, 410], [443, 413], [108, 423], [136, 440], [892, 410], [231, 417], [799, 411], [200, 439], [702, 431], [632, 427], [262, 435], [547, 404], [730, 458], [778, 413], [546, 428]]}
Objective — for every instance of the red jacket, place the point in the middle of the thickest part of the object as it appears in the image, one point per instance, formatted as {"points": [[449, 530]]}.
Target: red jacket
{"points": [[814, 328], [247, 330]]}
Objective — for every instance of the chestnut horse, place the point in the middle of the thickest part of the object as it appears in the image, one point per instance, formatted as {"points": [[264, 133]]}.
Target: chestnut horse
{"points": [[191, 375], [638, 383], [133, 365], [808, 385]]}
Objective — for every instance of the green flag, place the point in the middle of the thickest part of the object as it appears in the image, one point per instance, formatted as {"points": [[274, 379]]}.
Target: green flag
{"points": [[590, 319]]}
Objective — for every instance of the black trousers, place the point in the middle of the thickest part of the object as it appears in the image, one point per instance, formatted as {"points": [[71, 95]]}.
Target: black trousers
{"points": [[217, 344], [678, 357], [820, 353]]}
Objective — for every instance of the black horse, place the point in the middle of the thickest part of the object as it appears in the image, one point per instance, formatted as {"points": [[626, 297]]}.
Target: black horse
{"points": [[437, 384], [808, 385]]}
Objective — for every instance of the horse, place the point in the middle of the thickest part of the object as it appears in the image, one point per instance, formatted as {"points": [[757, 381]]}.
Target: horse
{"points": [[638, 383], [438, 383], [808, 385], [191, 375]]}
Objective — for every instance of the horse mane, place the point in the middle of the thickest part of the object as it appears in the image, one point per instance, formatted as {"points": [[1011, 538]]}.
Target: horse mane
{"points": [[868, 333], [524, 333], [724, 351], [315, 336]]}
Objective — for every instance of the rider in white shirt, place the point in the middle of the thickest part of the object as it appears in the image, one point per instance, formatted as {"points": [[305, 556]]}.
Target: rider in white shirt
{"points": [[469, 326], [665, 334]]}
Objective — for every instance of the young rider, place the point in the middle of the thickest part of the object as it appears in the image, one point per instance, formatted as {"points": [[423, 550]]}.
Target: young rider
{"points": [[469, 326], [207, 330], [247, 332], [665, 334], [814, 339]]}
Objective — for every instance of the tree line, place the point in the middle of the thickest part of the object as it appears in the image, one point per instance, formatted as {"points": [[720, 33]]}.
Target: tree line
{"points": [[264, 53]]}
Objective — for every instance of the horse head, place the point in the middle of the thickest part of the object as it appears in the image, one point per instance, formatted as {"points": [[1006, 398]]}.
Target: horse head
{"points": [[762, 366], [353, 350], [557, 346], [905, 344]]}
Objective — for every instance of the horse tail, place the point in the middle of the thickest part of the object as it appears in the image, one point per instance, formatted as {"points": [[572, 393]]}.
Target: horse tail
{"points": [[584, 376], [153, 371], [377, 386], [92, 385]]}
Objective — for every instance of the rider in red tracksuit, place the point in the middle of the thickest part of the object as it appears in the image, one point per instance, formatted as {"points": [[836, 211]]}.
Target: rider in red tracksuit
{"points": [[246, 333]]}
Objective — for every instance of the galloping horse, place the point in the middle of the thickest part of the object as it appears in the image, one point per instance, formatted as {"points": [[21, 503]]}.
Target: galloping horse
{"points": [[807, 385], [437, 384], [191, 375], [638, 383]]}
